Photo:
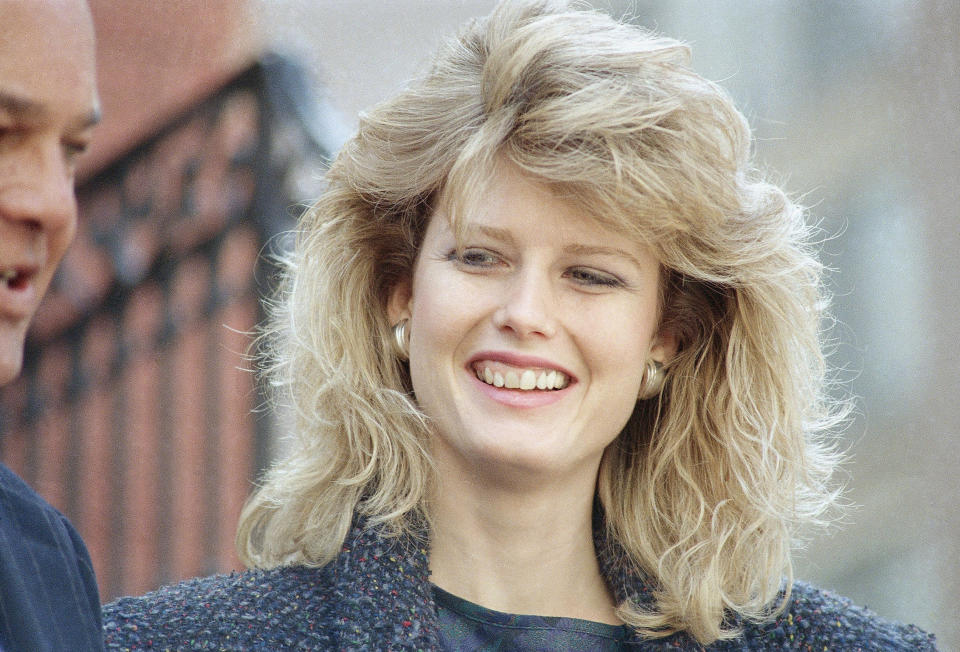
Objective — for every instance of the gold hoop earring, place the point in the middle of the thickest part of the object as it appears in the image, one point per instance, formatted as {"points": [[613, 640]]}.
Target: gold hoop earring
{"points": [[653, 377], [401, 340]]}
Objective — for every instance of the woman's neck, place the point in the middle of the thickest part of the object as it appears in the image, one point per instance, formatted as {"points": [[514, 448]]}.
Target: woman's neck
{"points": [[525, 550]]}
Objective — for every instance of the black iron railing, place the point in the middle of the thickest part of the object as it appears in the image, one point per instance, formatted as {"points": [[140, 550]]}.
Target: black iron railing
{"points": [[134, 413]]}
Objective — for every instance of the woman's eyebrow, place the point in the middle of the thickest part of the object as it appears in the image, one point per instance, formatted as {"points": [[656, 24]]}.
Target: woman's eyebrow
{"points": [[496, 233], [505, 236], [599, 250]]}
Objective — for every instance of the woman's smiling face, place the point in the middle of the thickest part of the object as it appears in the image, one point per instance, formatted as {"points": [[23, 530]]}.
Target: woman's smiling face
{"points": [[528, 341]]}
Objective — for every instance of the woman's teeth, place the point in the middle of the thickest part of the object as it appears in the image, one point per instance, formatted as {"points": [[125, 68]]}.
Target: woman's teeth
{"points": [[526, 379]]}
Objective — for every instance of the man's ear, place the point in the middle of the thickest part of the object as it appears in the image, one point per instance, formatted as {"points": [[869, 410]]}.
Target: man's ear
{"points": [[398, 304]]}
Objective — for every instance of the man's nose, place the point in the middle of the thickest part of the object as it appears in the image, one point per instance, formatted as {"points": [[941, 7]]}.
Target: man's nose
{"points": [[38, 188], [528, 306]]}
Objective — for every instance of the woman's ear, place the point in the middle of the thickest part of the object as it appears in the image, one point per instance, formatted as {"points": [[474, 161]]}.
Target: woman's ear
{"points": [[398, 305], [664, 345]]}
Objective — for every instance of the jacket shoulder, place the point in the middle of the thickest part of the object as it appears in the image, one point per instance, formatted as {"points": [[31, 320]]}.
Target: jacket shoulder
{"points": [[48, 592], [280, 608], [820, 620]]}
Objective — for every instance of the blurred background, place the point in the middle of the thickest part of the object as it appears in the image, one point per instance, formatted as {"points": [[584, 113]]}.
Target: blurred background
{"points": [[134, 416]]}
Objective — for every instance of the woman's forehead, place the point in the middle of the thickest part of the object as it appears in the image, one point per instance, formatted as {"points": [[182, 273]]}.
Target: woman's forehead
{"points": [[497, 207], [571, 231]]}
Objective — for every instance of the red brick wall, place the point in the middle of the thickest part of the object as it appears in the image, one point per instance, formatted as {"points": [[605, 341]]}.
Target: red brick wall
{"points": [[155, 59], [134, 412]]}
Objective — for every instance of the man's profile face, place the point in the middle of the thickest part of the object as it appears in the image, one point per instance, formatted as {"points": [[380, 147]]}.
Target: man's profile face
{"points": [[48, 106]]}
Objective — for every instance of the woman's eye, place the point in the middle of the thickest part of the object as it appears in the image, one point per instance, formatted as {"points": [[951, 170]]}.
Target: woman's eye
{"points": [[592, 277], [474, 257]]}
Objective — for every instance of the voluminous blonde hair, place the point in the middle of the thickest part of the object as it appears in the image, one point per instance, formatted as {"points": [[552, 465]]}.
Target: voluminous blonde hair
{"points": [[707, 485]]}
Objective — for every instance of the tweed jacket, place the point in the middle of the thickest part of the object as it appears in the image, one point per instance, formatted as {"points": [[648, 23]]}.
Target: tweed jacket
{"points": [[376, 595]]}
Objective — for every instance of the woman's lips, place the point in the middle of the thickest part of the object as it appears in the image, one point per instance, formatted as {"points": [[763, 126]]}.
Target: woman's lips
{"points": [[519, 380], [499, 374]]}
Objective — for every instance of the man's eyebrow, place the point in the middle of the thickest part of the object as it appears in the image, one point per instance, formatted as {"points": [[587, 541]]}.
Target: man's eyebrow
{"points": [[24, 108], [21, 106]]}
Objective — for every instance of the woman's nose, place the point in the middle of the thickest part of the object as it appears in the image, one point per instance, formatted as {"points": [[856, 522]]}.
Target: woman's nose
{"points": [[528, 307]]}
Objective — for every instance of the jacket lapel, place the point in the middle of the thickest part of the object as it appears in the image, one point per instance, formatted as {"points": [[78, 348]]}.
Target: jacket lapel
{"points": [[385, 600], [382, 588]]}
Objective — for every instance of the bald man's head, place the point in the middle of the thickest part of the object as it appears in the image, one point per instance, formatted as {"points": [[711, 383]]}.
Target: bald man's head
{"points": [[48, 107]]}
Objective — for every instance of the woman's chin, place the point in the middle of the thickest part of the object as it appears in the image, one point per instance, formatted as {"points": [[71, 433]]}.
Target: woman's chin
{"points": [[519, 461]]}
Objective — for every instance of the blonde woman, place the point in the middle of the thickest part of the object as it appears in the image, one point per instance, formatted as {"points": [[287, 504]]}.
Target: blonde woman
{"points": [[552, 352]]}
